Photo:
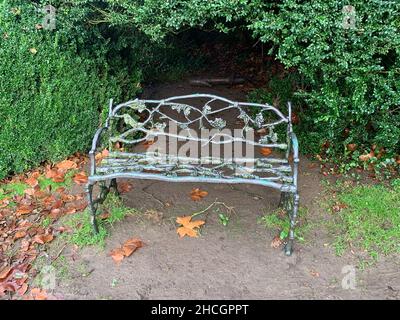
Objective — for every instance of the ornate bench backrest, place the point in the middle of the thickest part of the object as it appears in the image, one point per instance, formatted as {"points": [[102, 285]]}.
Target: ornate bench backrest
{"points": [[144, 119]]}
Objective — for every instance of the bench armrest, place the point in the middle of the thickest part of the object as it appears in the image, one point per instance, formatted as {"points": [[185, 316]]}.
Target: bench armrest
{"points": [[95, 143]]}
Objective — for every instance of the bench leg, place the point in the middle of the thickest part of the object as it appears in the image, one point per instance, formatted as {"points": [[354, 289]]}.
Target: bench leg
{"points": [[293, 217], [114, 186], [92, 206], [283, 200]]}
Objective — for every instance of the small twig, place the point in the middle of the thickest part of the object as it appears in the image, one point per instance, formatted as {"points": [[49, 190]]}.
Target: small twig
{"points": [[59, 253]]}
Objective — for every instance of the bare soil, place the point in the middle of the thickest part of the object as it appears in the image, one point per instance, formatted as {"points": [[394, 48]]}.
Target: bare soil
{"points": [[226, 262]]}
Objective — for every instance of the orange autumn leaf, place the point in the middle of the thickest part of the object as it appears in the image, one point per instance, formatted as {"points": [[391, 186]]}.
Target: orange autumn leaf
{"points": [[197, 194], [80, 178], [124, 187], [117, 255], [188, 227], [366, 157], [100, 156], [19, 234], [38, 294], [276, 242], [5, 272], [4, 203], [22, 290], [265, 151], [24, 209], [32, 181], [66, 165], [129, 246], [148, 143], [43, 238]]}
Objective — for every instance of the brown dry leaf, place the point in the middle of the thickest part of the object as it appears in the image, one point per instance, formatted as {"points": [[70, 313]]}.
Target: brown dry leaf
{"points": [[129, 246], [338, 207], [100, 156], [38, 294], [4, 203], [117, 255], [148, 143], [19, 234], [351, 147], [66, 165], [43, 238], [366, 157], [276, 242], [197, 194], [80, 178], [188, 227], [5, 272], [265, 151], [21, 291], [32, 181], [314, 273], [58, 177], [124, 187], [24, 209]]}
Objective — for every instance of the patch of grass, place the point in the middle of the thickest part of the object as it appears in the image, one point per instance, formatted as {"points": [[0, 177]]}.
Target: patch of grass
{"points": [[279, 221], [83, 234], [369, 220], [46, 182]]}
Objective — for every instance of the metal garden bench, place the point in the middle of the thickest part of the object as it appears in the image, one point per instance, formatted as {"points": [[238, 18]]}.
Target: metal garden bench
{"points": [[135, 122]]}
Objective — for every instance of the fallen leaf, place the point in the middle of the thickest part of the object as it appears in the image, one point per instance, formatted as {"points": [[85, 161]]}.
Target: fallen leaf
{"points": [[197, 194], [24, 209], [314, 273], [5, 272], [19, 234], [366, 157], [351, 147], [4, 203], [80, 178], [43, 238], [148, 143], [129, 246], [32, 181], [124, 187], [66, 165], [188, 226], [265, 151], [117, 255], [100, 156], [33, 50], [38, 294], [276, 242], [21, 291]]}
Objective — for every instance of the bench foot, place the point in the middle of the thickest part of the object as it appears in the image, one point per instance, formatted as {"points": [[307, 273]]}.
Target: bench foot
{"points": [[92, 207], [289, 248], [290, 203]]}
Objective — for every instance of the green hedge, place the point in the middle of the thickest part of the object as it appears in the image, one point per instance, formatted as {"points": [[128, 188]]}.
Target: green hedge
{"points": [[53, 85], [350, 76]]}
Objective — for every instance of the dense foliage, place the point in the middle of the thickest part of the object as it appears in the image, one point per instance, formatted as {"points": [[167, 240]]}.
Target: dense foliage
{"points": [[349, 59], [54, 84]]}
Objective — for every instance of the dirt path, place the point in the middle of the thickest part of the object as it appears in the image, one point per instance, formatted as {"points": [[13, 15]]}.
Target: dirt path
{"points": [[232, 262]]}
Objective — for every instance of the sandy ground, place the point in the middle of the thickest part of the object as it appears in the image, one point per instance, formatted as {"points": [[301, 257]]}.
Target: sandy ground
{"points": [[226, 262]]}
